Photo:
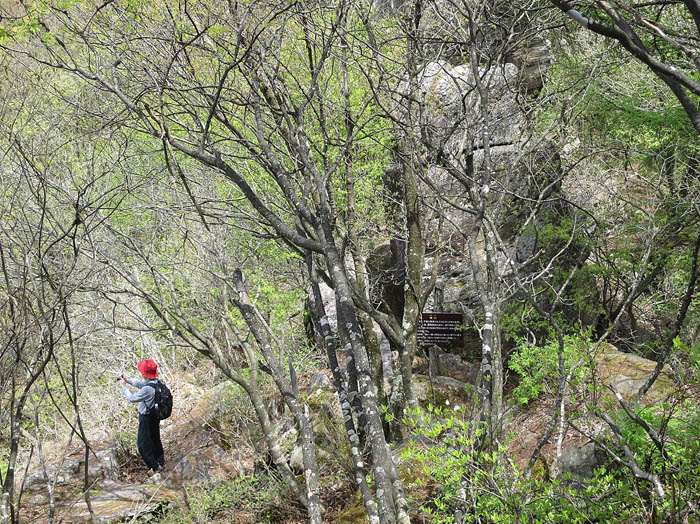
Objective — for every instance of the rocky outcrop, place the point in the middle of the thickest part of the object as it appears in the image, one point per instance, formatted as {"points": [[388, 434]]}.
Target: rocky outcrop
{"points": [[626, 373], [194, 456], [579, 462], [443, 364], [451, 121], [102, 465], [115, 501], [579, 456], [451, 114], [110, 497]]}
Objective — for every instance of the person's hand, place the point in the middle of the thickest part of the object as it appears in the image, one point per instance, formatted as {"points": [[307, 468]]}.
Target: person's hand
{"points": [[123, 380]]}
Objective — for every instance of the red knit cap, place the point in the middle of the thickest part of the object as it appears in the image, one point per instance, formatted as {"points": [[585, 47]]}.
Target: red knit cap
{"points": [[148, 368]]}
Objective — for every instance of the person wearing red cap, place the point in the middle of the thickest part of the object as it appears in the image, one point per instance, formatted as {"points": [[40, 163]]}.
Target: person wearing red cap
{"points": [[148, 440]]}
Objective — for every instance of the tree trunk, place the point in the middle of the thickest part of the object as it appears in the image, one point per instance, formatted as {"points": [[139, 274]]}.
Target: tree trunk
{"points": [[491, 373], [371, 339], [354, 395], [290, 394], [390, 497], [328, 342], [415, 254]]}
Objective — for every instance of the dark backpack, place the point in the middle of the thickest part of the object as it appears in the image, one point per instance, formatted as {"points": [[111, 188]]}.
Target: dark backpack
{"points": [[162, 401]]}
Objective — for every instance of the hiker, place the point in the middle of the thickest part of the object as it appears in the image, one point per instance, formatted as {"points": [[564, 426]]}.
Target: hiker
{"points": [[149, 444]]}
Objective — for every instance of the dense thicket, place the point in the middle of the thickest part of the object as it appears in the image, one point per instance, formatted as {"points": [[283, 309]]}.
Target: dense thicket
{"points": [[205, 182]]}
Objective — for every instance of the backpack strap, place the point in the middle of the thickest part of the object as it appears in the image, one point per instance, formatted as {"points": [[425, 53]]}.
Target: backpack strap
{"points": [[154, 384]]}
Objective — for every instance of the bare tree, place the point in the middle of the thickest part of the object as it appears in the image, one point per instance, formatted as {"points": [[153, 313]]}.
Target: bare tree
{"points": [[254, 118], [653, 34], [467, 133], [45, 222]]}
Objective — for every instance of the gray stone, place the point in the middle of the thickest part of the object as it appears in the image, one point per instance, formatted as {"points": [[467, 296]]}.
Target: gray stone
{"points": [[452, 366], [102, 465], [296, 458], [533, 63], [579, 461], [320, 382]]}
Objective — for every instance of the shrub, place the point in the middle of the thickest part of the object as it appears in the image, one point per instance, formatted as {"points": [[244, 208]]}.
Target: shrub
{"points": [[537, 367], [676, 462], [125, 447], [486, 487], [246, 499]]}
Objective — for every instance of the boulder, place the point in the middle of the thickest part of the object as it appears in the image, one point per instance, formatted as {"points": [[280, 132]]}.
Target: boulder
{"points": [[451, 119], [296, 458], [441, 391], [444, 364], [579, 462], [627, 372], [209, 404], [200, 460], [533, 62]]}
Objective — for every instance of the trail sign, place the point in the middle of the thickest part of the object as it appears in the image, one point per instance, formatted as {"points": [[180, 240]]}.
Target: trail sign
{"points": [[441, 329]]}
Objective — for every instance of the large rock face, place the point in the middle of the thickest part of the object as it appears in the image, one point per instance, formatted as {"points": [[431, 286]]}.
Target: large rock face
{"points": [[449, 115], [455, 128], [452, 113]]}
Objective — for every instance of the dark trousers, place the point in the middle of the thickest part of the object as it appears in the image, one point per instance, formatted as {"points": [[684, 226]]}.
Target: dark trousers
{"points": [[149, 444]]}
